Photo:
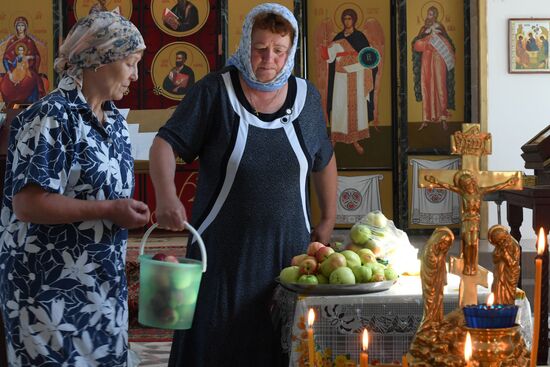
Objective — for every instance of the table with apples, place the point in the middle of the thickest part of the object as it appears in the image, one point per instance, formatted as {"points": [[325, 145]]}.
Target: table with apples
{"points": [[391, 317]]}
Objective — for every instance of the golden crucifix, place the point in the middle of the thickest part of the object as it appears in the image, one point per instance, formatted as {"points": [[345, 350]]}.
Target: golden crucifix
{"points": [[471, 184]]}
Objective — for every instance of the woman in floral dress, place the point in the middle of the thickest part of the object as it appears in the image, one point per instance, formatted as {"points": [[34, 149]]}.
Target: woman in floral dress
{"points": [[67, 206]]}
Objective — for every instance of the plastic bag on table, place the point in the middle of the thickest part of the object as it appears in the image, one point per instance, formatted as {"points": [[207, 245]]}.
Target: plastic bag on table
{"points": [[389, 243]]}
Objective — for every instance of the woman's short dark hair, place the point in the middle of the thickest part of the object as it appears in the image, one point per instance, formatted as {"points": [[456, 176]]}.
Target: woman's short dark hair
{"points": [[274, 23]]}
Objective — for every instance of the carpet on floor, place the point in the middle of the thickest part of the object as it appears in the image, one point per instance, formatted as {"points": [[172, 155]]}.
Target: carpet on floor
{"points": [[169, 245]]}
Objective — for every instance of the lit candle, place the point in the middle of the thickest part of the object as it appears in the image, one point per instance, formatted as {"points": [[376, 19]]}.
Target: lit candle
{"points": [[490, 299], [310, 345], [538, 284], [404, 361], [468, 349], [364, 361]]}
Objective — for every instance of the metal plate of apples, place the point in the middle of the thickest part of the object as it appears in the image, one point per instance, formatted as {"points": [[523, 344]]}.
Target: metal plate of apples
{"points": [[322, 270], [337, 289]]}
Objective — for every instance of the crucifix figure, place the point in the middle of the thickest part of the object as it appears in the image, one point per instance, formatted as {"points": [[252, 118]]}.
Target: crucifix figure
{"points": [[471, 187], [466, 185]]}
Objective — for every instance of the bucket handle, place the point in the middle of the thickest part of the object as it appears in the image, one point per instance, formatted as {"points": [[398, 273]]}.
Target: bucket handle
{"points": [[191, 229]]}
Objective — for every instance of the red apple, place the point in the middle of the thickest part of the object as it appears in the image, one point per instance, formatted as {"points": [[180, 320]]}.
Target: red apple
{"points": [[296, 260], [171, 259], [168, 316], [313, 248], [159, 256], [323, 253], [308, 265]]}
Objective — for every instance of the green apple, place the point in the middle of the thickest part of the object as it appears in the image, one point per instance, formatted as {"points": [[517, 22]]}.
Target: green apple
{"points": [[376, 267], [373, 246], [337, 246], [334, 261], [360, 233], [377, 219], [352, 259], [377, 272], [362, 273], [390, 273], [321, 278], [366, 255], [290, 274], [377, 277], [342, 275], [182, 279], [308, 279], [190, 298]]}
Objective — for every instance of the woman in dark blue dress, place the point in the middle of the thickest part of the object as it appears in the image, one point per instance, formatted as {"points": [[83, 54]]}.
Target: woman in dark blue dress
{"points": [[67, 206], [260, 136]]}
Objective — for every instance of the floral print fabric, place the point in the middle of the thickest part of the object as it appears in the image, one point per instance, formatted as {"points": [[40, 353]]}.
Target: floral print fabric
{"points": [[63, 287]]}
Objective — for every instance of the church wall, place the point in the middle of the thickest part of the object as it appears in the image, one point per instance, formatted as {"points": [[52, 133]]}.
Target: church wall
{"points": [[518, 105]]}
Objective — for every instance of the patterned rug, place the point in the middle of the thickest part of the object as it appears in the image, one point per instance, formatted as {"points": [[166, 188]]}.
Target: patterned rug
{"points": [[169, 245]]}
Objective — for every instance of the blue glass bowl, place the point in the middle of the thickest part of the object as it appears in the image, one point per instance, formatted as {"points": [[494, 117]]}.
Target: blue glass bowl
{"points": [[490, 317]]}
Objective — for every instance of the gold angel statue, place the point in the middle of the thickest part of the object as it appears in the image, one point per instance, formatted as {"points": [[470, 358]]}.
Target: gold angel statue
{"points": [[433, 273], [506, 269]]}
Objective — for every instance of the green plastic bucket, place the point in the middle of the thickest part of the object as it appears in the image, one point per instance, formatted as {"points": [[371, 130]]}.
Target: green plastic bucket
{"points": [[167, 290]]}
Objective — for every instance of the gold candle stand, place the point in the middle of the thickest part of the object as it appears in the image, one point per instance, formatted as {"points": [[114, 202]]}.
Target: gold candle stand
{"points": [[491, 347]]}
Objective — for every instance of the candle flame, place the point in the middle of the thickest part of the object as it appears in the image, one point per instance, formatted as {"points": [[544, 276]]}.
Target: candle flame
{"points": [[491, 299], [365, 340], [468, 347], [310, 317], [541, 242]]}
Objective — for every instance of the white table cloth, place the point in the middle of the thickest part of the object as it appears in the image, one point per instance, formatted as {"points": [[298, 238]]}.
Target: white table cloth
{"points": [[392, 318]]}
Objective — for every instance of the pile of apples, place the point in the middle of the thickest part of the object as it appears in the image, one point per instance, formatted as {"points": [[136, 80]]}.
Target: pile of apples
{"points": [[322, 265]]}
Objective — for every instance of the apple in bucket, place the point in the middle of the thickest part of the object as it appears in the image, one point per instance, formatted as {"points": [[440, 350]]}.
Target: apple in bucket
{"points": [[159, 256], [171, 259], [163, 257]]}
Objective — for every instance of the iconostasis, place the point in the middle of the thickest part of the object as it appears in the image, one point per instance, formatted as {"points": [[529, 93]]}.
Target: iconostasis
{"points": [[394, 77]]}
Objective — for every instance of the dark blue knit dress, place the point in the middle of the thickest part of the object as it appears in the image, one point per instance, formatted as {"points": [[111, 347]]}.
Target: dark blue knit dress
{"points": [[251, 208]]}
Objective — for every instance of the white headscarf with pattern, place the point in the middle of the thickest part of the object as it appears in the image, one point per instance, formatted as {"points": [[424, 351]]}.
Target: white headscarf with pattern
{"points": [[241, 58]]}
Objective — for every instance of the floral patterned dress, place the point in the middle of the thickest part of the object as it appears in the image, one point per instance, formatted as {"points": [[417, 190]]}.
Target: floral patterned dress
{"points": [[63, 288]]}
